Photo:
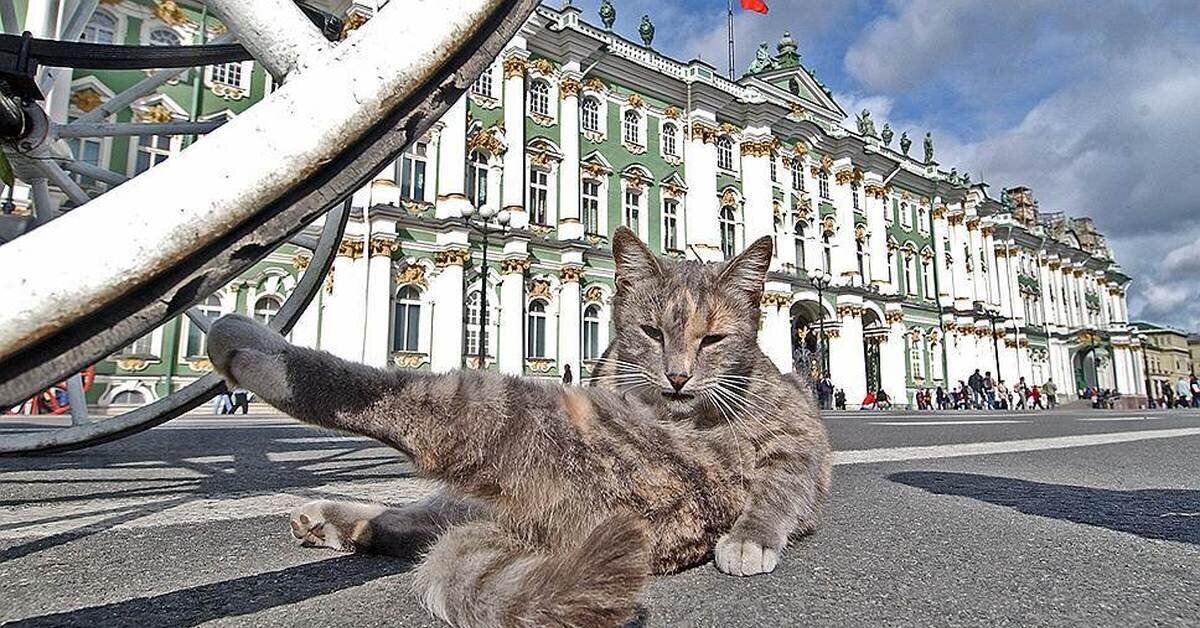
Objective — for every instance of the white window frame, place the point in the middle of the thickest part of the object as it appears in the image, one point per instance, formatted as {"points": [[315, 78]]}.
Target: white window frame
{"points": [[669, 133], [799, 244], [537, 322], [485, 85], [670, 226], [92, 29], [725, 149], [591, 327], [265, 314], [906, 216], [633, 129], [910, 273], [797, 175], [539, 99], [176, 145], [922, 219], [473, 328], [219, 75], [477, 163], [156, 29], [408, 303], [538, 200], [916, 357], [727, 229], [632, 214], [600, 200], [417, 153], [212, 308], [823, 185], [591, 122]]}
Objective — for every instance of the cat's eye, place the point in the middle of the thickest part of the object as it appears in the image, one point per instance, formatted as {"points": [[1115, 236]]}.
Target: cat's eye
{"points": [[711, 339], [653, 332]]}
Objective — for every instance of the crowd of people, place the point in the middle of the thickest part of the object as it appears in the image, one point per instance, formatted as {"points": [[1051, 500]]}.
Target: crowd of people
{"points": [[1184, 394], [980, 391]]}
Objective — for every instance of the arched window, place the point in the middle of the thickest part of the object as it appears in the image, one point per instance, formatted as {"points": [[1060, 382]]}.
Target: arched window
{"points": [[590, 114], [476, 330], [591, 332], [724, 153], [823, 184], [927, 277], [539, 97], [671, 225], [632, 128], [410, 173], [854, 195], [589, 191], [536, 333], [129, 398], [539, 194], [794, 86], [483, 84], [633, 209], [923, 219], [406, 323], [164, 37], [477, 179], [266, 307], [797, 175], [210, 309], [798, 242], [905, 216], [728, 231], [101, 29], [891, 264], [669, 140], [860, 255], [915, 357], [826, 253], [910, 273]]}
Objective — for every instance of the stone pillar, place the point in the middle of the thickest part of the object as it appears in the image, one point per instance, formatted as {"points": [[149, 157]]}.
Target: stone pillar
{"points": [[774, 335], [785, 245], [700, 171], [306, 332], [342, 324], [958, 237], [570, 329], [1004, 280], [512, 195], [452, 162], [446, 354], [975, 242], [377, 345], [845, 261], [511, 339], [847, 365], [570, 227], [892, 357], [988, 233], [944, 273], [758, 212], [875, 196]]}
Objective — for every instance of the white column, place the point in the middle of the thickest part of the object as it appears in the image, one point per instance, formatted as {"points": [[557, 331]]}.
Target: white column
{"points": [[774, 335], [570, 336], [961, 289], [452, 162], [758, 212], [875, 199], [847, 365], [511, 349], [570, 227], [512, 195], [700, 171], [343, 322], [377, 345], [993, 274], [785, 246], [892, 358], [446, 350], [845, 262], [944, 272], [975, 241]]}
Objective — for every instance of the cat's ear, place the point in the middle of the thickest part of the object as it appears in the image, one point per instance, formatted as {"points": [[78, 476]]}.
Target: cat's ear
{"points": [[633, 259], [747, 272]]}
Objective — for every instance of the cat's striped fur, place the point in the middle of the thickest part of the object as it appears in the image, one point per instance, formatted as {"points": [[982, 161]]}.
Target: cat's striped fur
{"points": [[560, 501]]}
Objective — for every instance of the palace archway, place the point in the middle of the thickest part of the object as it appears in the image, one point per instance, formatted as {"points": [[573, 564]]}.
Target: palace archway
{"points": [[807, 350], [874, 333]]}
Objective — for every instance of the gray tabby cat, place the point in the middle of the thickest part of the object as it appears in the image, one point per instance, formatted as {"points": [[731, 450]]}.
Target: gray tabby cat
{"points": [[558, 501]]}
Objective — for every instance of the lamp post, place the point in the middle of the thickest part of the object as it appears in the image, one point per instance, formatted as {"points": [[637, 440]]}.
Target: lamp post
{"points": [[990, 313], [484, 228], [821, 281]]}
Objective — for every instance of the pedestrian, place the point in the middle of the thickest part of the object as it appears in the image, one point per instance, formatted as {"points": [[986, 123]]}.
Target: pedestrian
{"points": [[975, 382], [1021, 392], [241, 399], [882, 401], [825, 391], [1195, 386], [839, 399], [1168, 395], [567, 377], [989, 390], [868, 402], [222, 404], [943, 400], [1050, 389], [1183, 393], [1035, 397], [1002, 399]]}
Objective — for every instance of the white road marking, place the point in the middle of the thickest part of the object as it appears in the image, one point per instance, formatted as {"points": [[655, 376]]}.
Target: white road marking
{"points": [[919, 423], [1125, 418], [899, 454]]}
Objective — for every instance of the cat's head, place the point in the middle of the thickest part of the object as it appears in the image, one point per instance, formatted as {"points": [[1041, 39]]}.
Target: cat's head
{"points": [[685, 330]]}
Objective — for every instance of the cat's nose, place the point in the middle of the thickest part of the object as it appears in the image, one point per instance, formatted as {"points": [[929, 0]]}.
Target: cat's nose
{"points": [[678, 380]]}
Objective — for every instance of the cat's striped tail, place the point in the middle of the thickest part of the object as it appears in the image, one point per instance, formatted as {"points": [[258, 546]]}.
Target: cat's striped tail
{"points": [[477, 575]]}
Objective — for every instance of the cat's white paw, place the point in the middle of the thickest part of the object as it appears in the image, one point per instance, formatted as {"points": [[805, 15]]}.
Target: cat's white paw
{"points": [[743, 557], [313, 529]]}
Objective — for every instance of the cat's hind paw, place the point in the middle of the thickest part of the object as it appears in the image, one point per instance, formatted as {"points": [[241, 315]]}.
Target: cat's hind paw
{"points": [[313, 529], [744, 557]]}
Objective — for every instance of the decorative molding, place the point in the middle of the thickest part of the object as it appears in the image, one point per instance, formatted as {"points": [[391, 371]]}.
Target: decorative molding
{"points": [[954, 219], [539, 365], [200, 364], [593, 294], [350, 247], [939, 212], [409, 359], [569, 274], [412, 275], [569, 87], [487, 141], [849, 309], [383, 245], [874, 190], [539, 289], [635, 101], [135, 362], [515, 66], [893, 316], [988, 231], [595, 85], [704, 132], [848, 175], [353, 22], [514, 265], [169, 12], [86, 99], [451, 257], [543, 67], [972, 224], [672, 112], [777, 299], [156, 113], [301, 261]]}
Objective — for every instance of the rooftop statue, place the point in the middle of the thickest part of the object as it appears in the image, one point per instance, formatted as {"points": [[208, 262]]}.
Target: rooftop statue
{"points": [[887, 134], [866, 126], [762, 60], [646, 30], [608, 14], [905, 143], [928, 147]]}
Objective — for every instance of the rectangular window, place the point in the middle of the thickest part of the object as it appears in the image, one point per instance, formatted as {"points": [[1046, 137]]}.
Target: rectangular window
{"points": [[539, 190], [774, 174], [633, 209], [823, 185], [591, 206], [916, 360], [483, 84], [670, 225], [151, 151], [927, 275], [226, 74], [854, 196], [143, 346], [797, 176], [86, 150], [412, 172]]}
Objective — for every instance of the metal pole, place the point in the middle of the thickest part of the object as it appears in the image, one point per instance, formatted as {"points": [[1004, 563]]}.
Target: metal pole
{"points": [[1112, 356], [483, 307], [824, 336], [198, 79], [730, 23], [122, 129], [77, 400], [995, 346]]}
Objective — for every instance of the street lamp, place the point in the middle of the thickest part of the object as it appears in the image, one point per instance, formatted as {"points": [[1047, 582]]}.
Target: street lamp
{"points": [[990, 313], [821, 281], [484, 227]]}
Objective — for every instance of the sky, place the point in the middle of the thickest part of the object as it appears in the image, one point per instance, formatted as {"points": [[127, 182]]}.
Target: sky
{"points": [[1094, 104]]}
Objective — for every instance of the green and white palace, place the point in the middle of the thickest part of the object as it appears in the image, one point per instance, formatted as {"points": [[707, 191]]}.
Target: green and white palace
{"points": [[575, 131]]}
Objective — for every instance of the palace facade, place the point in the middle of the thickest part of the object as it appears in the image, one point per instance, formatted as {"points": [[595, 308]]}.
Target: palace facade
{"points": [[574, 131]]}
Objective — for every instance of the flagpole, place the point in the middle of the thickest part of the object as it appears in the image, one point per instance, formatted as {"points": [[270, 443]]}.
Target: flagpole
{"points": [[730, 20]]}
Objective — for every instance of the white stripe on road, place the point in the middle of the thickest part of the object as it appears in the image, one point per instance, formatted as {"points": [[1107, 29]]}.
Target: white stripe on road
{"points": [[907, 423], [1126, 418], [900, 454]]}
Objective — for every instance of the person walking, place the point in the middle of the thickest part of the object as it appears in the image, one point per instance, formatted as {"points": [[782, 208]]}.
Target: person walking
{"points": [[1183, 393], [1195, 386], [824, 391], [1035, 398], [989, 390], [241, 399], [567, 377], [943, 400], [975, 383], [1051, 391], [839, 399], [1168, 395], [1022, 394], [1002, 398]]}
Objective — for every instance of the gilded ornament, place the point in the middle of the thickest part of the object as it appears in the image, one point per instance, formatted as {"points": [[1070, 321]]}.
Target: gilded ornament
{"points": [[595, 169], [672, 112], [729, 129], [539, 365], [514, 265], [860, 233], [777, 299], [351, 248], [383, 246], [635, 101], [568, 274], [203, 365], [132, 363], [828, 225], [800, 148], [594, 85], [86, 99], [939, 212], [543, 67], [157, 113], [169, 12], [301, 261], [704, 132], [972, 224], [352, 23], [593, 294], [796, 110], [988, 231], [539, 288], [515, 66], [728, 198], [451, 257], [893, 316], [408, 359], [569, 87], [412, 274]]}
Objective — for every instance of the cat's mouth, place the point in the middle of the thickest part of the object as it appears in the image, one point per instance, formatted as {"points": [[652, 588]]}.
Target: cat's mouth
{"points": [[677, 396]]}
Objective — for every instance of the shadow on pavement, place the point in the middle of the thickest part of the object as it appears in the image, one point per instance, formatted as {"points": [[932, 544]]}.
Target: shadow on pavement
{"points": [[1163, 514], [230, 598]]}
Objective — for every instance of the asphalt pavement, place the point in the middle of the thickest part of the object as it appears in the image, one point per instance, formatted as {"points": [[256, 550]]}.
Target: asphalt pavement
{"points": [[937, 519]]}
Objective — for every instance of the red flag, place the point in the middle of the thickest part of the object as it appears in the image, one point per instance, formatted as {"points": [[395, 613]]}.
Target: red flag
{"points": [[757, 6]]}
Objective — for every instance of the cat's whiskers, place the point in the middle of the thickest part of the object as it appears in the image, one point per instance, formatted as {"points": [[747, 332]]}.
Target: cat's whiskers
{"points": [[750, 411], [720, 406]]}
